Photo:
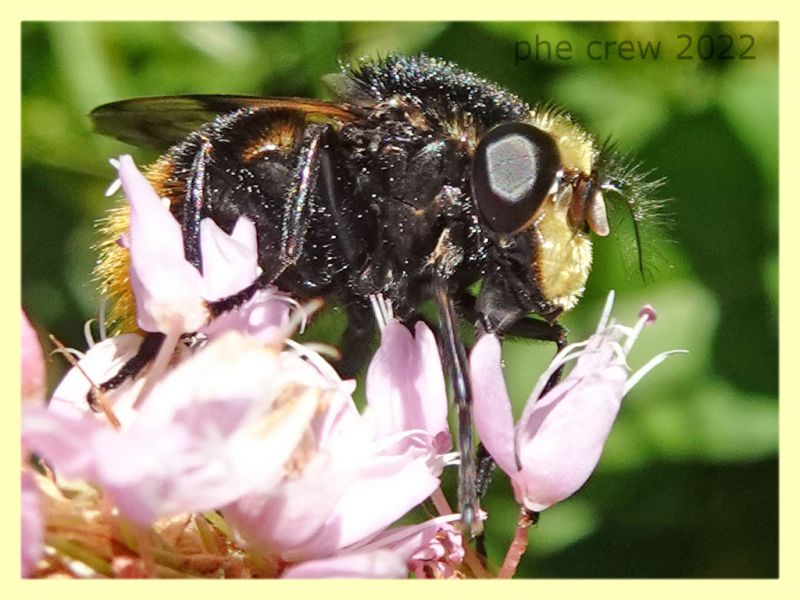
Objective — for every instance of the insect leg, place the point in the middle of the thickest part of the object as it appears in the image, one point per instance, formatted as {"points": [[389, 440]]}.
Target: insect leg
{"points": [[535, 329], [295, 220], [455, 360], [351, 221], [351, 230], [193, 206], [294, 227], [144, 356], [355, 344], [528, 328]]}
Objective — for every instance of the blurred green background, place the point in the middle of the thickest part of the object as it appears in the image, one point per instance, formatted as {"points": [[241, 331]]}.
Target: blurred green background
{"points": [[688, 484]]}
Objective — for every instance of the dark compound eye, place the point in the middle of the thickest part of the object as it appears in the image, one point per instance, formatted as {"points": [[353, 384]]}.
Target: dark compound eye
{"points": [[513, 169]]}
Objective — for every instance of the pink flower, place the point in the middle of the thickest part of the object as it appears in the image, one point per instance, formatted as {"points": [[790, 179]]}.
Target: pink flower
{"points": [[266, 317], [33, 393], [363, 472], [221, 425], [170, 292], [405, 384], [440, 556], [33, 370], [430, 547], [377, 564], [32, 530], [557, 443], [351, 487]]}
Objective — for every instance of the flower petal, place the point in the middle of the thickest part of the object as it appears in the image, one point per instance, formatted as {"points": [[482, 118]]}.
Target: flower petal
{"points": [[433, 546], [32, 531], [405, 384], [222, 424], [561, 442], [492, 406], [440, 556], [230, 262], [212, 430], [264, 317], [166, 287], [560, 437], [294, 515], [380, 564], [33, 370], [64, 441], [380, 496]]}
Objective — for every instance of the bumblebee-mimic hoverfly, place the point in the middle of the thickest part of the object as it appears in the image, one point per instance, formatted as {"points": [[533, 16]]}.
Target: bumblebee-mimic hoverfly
{"points": [[421, 180]]}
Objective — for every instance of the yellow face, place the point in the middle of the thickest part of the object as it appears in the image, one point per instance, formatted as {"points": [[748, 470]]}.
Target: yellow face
{"points": [[563, 248], [563, 256]]}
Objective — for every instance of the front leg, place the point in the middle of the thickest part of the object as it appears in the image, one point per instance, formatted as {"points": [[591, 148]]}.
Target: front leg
{"points": [[454, 355], [445, 260], [529, 328], [549, 331]]}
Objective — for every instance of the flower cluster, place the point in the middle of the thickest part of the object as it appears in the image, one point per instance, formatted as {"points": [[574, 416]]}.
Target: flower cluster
{"points": [[243, 454]]}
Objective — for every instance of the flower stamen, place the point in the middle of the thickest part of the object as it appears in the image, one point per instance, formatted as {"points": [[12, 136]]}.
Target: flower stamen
{"points": [[98, 395], [646, 316], [606, 314], [299, 318], [117, 183], [382, 308], [649, 366]]}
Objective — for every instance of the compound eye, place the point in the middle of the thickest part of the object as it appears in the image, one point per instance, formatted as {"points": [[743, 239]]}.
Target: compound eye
{"points": [[513, 169]]}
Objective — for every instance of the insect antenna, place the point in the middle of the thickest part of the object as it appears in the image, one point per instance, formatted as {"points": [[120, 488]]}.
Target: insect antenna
{"points": [[644, 210]]}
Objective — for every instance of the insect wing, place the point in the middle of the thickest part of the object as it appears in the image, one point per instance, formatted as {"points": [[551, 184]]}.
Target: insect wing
{"points": [[163, 121]]}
